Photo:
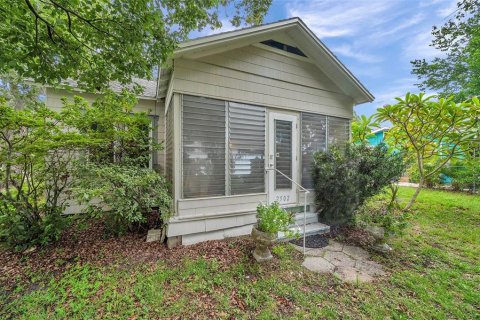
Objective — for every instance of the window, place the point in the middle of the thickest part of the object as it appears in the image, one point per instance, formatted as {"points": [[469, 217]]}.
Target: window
{"points": [[169, 124], [284, 47], [314, 138], [203, 147], [246, 127], [338, 131], [223, 148], [318, 133]]}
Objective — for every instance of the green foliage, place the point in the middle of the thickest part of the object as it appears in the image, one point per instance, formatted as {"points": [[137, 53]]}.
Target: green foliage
{"points": [[94, 42], [432, 132], [430, 181], [273, 218], [43, 153], [37, 154], [457, 72], [344, 181], [379, 211], [124, 194], [465, 174], [362, 128], [113, 132]]}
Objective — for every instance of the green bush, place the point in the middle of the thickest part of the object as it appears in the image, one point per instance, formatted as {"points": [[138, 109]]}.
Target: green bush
{"points": [[124, 195], [382, 211], [272, 218], [464, 174], [430, 182], [343, 181], [19, 229]]}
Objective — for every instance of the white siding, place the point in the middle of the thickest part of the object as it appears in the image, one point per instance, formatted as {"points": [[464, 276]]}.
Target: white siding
{"points": [[262, 77]]}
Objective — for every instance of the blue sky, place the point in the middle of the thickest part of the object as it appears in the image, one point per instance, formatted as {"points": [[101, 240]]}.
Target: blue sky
{"points": [[375, 39]]}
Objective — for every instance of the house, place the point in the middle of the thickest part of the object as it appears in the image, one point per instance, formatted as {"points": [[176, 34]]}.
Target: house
{"points": [[377, 136], [243, 113]]}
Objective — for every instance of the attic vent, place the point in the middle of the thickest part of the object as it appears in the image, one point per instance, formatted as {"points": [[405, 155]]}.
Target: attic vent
{"points": [[284, 47]]}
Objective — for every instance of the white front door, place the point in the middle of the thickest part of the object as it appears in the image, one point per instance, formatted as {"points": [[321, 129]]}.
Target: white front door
{"points": [[282, 156]]}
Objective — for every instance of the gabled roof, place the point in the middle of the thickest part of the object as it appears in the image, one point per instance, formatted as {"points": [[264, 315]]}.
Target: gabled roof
{"points": [[296, 29]]}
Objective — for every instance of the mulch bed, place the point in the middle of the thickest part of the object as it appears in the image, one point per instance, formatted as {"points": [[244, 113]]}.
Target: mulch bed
{"points": [[352, 235], [313, 241], [92, 245]]}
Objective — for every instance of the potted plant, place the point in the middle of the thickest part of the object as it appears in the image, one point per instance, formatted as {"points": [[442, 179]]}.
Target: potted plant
{"points": [[271, 220]]}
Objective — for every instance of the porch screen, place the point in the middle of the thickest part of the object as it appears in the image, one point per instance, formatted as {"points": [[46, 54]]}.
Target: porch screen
{"points": [[203, 147], [314, 138], [338, 131], [246, 134]]}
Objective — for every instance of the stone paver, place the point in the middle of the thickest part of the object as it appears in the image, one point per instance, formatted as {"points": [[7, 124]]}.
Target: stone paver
{"points": [[356, 252], [334, 246], [350, 274], [349, 263], [318, 264], [339, 259], [317, 252]]}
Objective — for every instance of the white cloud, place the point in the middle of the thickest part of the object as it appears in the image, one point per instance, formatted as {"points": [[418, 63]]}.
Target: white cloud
{"points": [[448, 9], [339, 18], [350, 52], [418, 46]]}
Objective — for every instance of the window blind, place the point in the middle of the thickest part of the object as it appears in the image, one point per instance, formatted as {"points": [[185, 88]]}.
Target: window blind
{"points": [[283, 153], [169, 143], [314, 138], [338, 132], [246, 137], [203, 147]]}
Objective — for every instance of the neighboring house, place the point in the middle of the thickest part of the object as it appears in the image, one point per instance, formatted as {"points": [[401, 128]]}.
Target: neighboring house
{"points": [[377, 136], [236, 103]]}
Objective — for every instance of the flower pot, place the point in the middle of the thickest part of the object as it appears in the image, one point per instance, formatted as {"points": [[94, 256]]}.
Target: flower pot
{"points": [[378, 234], [262, 241]]}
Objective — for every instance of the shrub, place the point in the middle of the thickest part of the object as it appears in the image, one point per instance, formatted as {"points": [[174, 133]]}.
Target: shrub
{"points": [[36, 155], [430, 182], [124, 195], [272, 218], [464, 174], [343, 181], [379, 211]]}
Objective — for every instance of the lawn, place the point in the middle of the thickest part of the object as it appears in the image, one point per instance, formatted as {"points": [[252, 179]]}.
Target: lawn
{"points": [[434, 272]]}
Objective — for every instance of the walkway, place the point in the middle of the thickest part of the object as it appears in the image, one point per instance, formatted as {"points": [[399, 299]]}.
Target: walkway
{"points": [[349, 263]]}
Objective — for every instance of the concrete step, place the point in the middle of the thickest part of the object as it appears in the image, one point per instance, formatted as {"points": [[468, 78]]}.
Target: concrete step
{"points": [[312, 217], [295, 208], [310, 229]]}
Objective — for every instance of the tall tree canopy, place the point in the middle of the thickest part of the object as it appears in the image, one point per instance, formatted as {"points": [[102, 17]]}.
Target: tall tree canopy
{"points": [[457, 71], [97, 41]]}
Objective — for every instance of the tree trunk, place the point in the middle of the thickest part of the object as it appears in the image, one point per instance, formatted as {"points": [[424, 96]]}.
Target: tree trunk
{"points": [[415, 195]]}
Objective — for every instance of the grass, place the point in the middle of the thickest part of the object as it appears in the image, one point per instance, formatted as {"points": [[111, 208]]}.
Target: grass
{"points": [[434, 272]]}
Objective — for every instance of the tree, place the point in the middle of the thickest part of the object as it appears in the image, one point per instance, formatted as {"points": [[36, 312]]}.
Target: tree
{"points": [[44, 155], [95, 41], [457, 72], [433, 131], [362, 128]]}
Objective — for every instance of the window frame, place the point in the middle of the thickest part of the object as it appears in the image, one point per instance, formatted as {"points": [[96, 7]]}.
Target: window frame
{"points": [[227, 151], [327, 141]]}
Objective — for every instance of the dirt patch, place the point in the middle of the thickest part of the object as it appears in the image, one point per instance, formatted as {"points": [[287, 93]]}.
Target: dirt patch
{"points": [[352, 235], [92, 245]]}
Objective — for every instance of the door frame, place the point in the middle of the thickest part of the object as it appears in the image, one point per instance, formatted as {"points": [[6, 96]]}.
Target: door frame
{"points": [[283, 196]]}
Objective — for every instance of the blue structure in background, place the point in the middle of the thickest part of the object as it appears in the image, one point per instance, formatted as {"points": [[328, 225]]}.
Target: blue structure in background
{"points": [[377, 136]]}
